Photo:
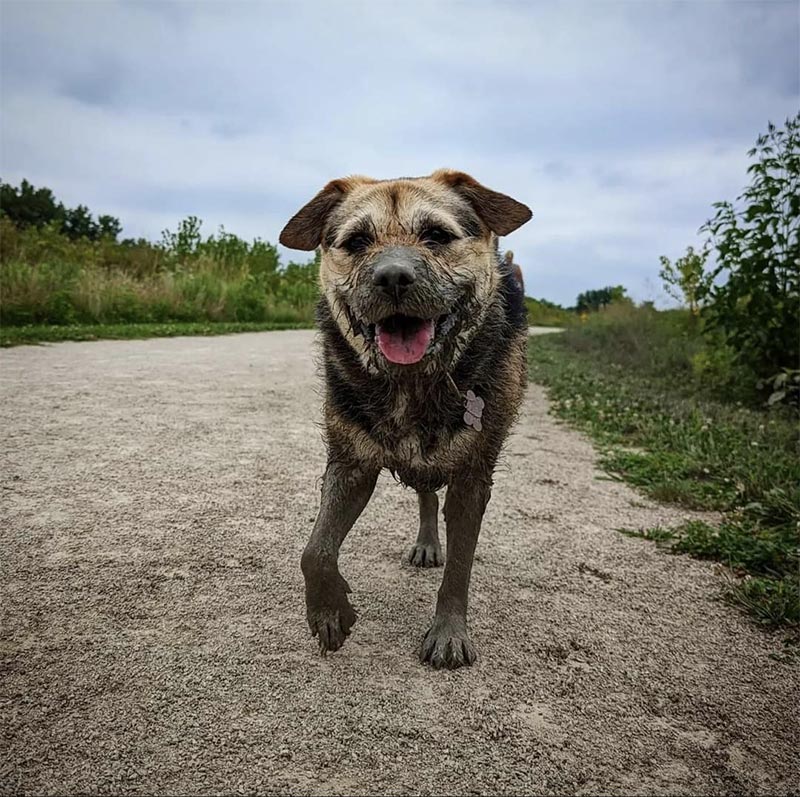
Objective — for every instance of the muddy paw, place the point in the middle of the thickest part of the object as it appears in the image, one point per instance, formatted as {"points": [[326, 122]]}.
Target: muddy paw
{"points": [[421, 555], [332, 626], [328, 611], [447, 644]]}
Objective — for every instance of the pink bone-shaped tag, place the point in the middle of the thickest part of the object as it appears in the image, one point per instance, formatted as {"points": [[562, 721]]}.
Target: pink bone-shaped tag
{"points": [[474, 405]]}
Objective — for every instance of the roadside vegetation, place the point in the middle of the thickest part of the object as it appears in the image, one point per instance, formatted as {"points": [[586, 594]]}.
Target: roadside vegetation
{"points": [[698, 406], [66, 275], [48, 278], [686, 447]]}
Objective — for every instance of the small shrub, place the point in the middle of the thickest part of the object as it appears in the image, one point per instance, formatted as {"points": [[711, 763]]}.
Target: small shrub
{"points": [[685, 279], [755, 296]]}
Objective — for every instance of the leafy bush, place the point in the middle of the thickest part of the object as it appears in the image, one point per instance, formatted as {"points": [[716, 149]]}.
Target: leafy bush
{"points": [[755, 300], [685, 279]]}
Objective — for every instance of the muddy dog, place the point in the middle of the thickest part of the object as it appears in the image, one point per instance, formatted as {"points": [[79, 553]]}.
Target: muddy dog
{"points": [[424, 332]]}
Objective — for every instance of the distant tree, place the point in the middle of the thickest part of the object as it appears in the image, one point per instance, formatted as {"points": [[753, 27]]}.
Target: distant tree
{"points": [[586, 301], [617, 294], [592, 301], [27, 206], [109, 227], [78, 223], [685, 279]]}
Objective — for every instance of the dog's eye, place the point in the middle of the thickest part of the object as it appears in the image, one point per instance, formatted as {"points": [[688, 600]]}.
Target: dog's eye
{"points": [[357, 243], [437, 236]]}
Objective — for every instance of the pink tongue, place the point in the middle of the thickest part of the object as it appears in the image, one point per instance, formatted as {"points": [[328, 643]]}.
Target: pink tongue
{"points": [[405, 349]]}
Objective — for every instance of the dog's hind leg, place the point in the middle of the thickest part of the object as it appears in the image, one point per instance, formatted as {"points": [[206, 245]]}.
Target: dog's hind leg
{"points": [[427, 551], [447, 643], [346, 489]]}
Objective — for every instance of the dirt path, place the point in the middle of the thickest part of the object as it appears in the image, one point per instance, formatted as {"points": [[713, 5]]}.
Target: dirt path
{"points": [[156, 496]]}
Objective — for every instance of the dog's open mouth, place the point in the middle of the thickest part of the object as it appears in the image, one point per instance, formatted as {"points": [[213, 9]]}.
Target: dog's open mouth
{"points": [[404, 339]]}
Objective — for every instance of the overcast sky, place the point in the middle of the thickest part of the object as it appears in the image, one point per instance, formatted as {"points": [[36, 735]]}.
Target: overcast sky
{"points": [[618, 123]]}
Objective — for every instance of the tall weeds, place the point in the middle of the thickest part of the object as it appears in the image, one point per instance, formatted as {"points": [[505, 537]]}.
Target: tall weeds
{"points": [[47, 278]]}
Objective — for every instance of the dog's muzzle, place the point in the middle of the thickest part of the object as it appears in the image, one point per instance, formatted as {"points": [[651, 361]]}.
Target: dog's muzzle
{"points": [[400, 308]]}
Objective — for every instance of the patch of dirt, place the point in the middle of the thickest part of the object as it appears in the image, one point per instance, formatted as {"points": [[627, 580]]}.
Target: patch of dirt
{"points": [[156, 498]]}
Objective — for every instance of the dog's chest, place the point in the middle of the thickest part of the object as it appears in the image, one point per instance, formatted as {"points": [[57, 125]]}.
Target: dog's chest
{"points": [[420, 432]]}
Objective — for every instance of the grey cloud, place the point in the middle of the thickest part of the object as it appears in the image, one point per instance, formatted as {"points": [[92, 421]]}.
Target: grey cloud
{"points": [[99, 85], [619, 123], [557, 170]]}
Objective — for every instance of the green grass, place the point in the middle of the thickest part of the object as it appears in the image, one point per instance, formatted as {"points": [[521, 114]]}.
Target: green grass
{"points": [[18, 336], [679, 445]]}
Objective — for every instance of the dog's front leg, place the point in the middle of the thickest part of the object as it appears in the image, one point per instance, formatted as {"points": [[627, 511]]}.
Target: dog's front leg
{"points": [[346, 489], [447, 643]]}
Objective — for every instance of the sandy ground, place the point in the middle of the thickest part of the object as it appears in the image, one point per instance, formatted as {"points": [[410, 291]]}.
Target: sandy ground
{"points": [[156, 496], [543, 330]]}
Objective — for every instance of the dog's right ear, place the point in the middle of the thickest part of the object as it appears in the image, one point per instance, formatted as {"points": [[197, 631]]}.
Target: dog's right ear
{"points": [[304, 229]]}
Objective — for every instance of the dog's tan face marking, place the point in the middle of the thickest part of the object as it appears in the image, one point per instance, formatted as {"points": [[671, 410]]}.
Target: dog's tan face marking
{"points": [[445, 224]]}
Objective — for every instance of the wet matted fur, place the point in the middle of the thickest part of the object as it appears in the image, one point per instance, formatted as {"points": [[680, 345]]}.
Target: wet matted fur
{"points": [[424, 332]]}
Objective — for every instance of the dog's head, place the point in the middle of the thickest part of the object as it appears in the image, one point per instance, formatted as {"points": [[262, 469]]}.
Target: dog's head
{"points": [[408, 266]]}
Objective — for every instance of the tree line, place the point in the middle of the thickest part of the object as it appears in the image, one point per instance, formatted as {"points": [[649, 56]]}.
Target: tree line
{"points": [[28, 206]]}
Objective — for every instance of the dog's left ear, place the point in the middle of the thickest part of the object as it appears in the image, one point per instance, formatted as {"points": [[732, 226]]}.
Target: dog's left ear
{"points": [[499, 212], [304, 229]]}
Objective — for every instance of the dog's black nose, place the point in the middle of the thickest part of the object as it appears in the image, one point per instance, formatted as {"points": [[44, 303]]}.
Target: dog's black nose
{"points": [[394, 277]]}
